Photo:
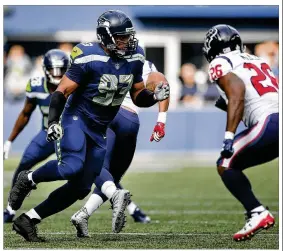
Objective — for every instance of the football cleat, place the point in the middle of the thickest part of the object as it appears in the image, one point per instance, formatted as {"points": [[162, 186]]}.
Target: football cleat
{"points": [[256, 221], [20, 190], [8, 217], [119, 202], [27, 228], [139, 216], [80, 221]]}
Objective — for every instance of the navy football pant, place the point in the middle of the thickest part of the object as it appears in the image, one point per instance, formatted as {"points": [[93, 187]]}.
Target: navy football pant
{"points": [[37, 150], [121, 144], [254, 146], [80, 156]]}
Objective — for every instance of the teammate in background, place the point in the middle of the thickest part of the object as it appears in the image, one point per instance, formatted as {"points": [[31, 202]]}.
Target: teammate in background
{"points": [[250, 91], [96, 83], [38, 93], [121, 144]]}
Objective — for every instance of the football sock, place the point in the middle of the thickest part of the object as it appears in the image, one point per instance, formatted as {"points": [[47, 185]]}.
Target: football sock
{"points": [[10, 210], [32, 214], [57, 201], [103, 177], [258, 209], [48, 172], [108, 188], [93, 203], [131, 207], [238, 184]]}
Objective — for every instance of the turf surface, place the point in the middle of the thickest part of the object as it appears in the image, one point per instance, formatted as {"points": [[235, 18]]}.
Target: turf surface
{"points": [[189, 207]]}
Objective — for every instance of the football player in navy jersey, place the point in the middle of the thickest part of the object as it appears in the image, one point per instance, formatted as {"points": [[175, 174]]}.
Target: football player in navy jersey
{"points": [[96, 83], [121, 144], [38, 93]]}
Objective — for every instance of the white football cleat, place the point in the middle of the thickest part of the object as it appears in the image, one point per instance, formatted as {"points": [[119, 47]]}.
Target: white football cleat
{"points": [[119, 202], [256, 221], [80, 221]]}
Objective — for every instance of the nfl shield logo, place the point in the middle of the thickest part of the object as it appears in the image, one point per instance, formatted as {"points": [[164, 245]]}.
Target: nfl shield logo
{"points": [[117, 66]]}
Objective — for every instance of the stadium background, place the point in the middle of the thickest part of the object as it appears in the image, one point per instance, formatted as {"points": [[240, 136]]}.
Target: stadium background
{"points": [[172, 37]]}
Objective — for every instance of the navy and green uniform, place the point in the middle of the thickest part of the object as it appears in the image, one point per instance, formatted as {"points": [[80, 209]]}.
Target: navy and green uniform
{"points": [[38, 149], [103, 83]]}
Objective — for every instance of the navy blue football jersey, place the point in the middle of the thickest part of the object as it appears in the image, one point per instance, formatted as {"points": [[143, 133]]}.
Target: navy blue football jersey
{"points": [[37, 90], [103, 81]]}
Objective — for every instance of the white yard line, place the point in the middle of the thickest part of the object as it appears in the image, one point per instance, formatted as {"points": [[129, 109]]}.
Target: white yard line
{"points": [[143, 234]]}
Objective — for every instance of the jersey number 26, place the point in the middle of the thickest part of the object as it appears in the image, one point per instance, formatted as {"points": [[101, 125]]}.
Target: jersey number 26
{"points": [[262, 74]]}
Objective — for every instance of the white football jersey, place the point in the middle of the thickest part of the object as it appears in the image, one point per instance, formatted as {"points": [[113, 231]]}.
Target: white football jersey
{"points": [[148, 67], [261, 95]]}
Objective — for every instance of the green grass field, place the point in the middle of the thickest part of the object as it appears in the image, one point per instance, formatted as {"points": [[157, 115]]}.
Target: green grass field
{"points": [[189, 207]]}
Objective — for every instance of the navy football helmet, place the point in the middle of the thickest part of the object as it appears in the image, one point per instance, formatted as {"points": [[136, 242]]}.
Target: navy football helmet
{"points": [[221, 39], [55, 64], [116, 32]]}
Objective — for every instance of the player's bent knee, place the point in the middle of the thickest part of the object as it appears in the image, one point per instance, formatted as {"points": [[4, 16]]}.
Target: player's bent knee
{"points": [[83, 193]]}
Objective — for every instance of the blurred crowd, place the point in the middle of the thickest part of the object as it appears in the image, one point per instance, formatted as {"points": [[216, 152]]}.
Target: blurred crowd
{"points": [[195, 87]]}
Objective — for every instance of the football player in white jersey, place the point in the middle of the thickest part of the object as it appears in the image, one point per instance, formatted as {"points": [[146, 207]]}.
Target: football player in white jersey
{"points": [[121, 144], [249, 92]]}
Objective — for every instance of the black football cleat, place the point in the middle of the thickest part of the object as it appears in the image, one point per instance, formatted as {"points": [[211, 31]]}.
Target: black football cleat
{"points": [[140, 216], [8, 217], [20, 190], [27, 228]]}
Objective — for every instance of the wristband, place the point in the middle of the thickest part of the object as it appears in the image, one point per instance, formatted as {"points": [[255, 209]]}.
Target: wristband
{"points": [[229, 135], [162, 117]]}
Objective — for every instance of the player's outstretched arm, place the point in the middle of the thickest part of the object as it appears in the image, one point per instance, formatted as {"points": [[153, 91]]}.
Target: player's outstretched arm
{"points": [[56, 107], [159, 129], [234, 89], [20, 124]]}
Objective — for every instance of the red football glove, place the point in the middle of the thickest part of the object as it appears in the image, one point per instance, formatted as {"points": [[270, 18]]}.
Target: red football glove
{"points": [[158, 132]]}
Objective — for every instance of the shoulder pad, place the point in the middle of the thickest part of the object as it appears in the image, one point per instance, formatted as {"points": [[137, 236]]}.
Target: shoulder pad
{"points": [[81, 49], [219, 67]]}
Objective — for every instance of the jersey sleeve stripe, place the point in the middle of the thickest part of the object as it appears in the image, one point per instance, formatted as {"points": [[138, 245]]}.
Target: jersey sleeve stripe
{"points": [[136, 57], [228, 59], [90, 58]]}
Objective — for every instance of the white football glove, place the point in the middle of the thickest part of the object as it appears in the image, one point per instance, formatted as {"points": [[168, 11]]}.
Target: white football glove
{"points": [[7, 148], [54, 132], [161, 91]]}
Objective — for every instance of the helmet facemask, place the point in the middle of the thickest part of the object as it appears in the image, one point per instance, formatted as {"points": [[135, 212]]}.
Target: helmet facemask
{"points": [[54, 74]]}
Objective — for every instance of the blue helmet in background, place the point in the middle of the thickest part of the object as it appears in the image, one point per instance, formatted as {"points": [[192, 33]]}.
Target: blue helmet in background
{"points": [[221, 39], [112, 24], [55, 64]]}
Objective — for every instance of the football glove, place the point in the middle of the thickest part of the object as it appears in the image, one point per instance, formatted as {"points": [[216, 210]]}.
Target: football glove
{"points": [[54, 132], [221, 104], [7, 148], [227, 149], [158, 132], [161, 91]]}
